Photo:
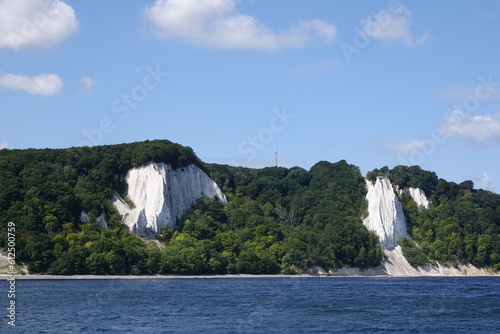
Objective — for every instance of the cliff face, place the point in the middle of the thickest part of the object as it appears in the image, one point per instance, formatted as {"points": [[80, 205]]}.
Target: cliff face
{"points": [[162, 195], [386, 218], [419, 197], [385, 213]]}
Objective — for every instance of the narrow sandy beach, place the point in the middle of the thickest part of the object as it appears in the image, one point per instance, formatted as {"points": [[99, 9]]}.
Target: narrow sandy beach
{"points": [[127, 277], [104, 277]]}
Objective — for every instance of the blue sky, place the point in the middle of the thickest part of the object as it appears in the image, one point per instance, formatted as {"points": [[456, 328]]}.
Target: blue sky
{"points": [[372, 82]]}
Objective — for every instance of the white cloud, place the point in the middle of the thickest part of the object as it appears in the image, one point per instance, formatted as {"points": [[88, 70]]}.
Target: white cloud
{"points": [[43, 84], [410, 147], [475, 128], [480, 92], [459, 92], [392, 26], [218, 24], [487, 183], [88, 85], [321, 28], [26, 24], [4, 145]]}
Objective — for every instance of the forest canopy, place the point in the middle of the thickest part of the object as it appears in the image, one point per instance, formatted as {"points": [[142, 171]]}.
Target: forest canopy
{"points": [[276, 220], [462, 224]]}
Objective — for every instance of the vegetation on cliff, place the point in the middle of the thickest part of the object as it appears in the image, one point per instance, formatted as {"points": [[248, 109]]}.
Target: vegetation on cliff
{"points": [[462, 224], [277, 220]]}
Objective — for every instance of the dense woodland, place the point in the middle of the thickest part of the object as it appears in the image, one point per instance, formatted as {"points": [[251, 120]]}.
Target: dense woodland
{"points": [[462, 225], [277, 220]]}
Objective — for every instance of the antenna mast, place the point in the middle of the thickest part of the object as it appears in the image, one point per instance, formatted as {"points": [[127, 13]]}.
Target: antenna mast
{"points": [[276, 157]]}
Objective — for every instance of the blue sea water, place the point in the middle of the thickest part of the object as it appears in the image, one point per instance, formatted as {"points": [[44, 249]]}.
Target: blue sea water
{"points": [[256, 305]]}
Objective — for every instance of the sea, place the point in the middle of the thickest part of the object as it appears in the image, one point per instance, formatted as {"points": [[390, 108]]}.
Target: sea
{"points": [[256, 305]]}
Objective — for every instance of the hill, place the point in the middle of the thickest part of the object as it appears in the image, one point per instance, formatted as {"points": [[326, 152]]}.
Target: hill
{"points": [[276, 220]]}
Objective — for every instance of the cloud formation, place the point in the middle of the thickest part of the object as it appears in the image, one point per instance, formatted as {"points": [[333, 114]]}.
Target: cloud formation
{"points": [[410, 147], [487, 183], [392, 26], [218, 24], [485, 90], [43, 84], [4, 145], [474, 128], [27, 24], [88, 85]]}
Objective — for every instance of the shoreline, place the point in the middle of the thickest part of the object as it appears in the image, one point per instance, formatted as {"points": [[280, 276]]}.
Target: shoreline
{"points": [[239, 276], [128, 277]]}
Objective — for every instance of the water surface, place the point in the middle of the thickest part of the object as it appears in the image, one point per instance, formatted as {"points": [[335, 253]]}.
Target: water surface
{"points": [[257, 305]]}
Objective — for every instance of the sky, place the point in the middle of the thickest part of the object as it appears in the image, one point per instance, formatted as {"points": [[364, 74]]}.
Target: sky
{"points": [[375, 83]]}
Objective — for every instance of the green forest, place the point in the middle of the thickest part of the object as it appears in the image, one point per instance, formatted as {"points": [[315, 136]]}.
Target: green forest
{"points": [[277, 220], [462, 224]]}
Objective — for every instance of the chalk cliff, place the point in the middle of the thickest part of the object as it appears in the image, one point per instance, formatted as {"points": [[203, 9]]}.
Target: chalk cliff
{"points": [[396, 265], [161, 195], [386, 218], [385, 213], [419, 197]]}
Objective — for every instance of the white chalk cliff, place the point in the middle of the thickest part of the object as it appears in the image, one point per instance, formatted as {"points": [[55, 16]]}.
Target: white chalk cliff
{"points": [[395, 264], [418, 195], [386, 218], [161, 195], [385, 213]]}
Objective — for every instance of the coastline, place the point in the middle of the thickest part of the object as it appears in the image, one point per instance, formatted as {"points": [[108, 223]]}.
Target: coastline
{"points": [[127, 277], [239, 276]]}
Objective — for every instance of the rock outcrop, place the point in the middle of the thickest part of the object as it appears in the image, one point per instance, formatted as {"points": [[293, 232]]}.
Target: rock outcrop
{"points": [[385, 213], [161, 195], [419, 197], [386, 218]]}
